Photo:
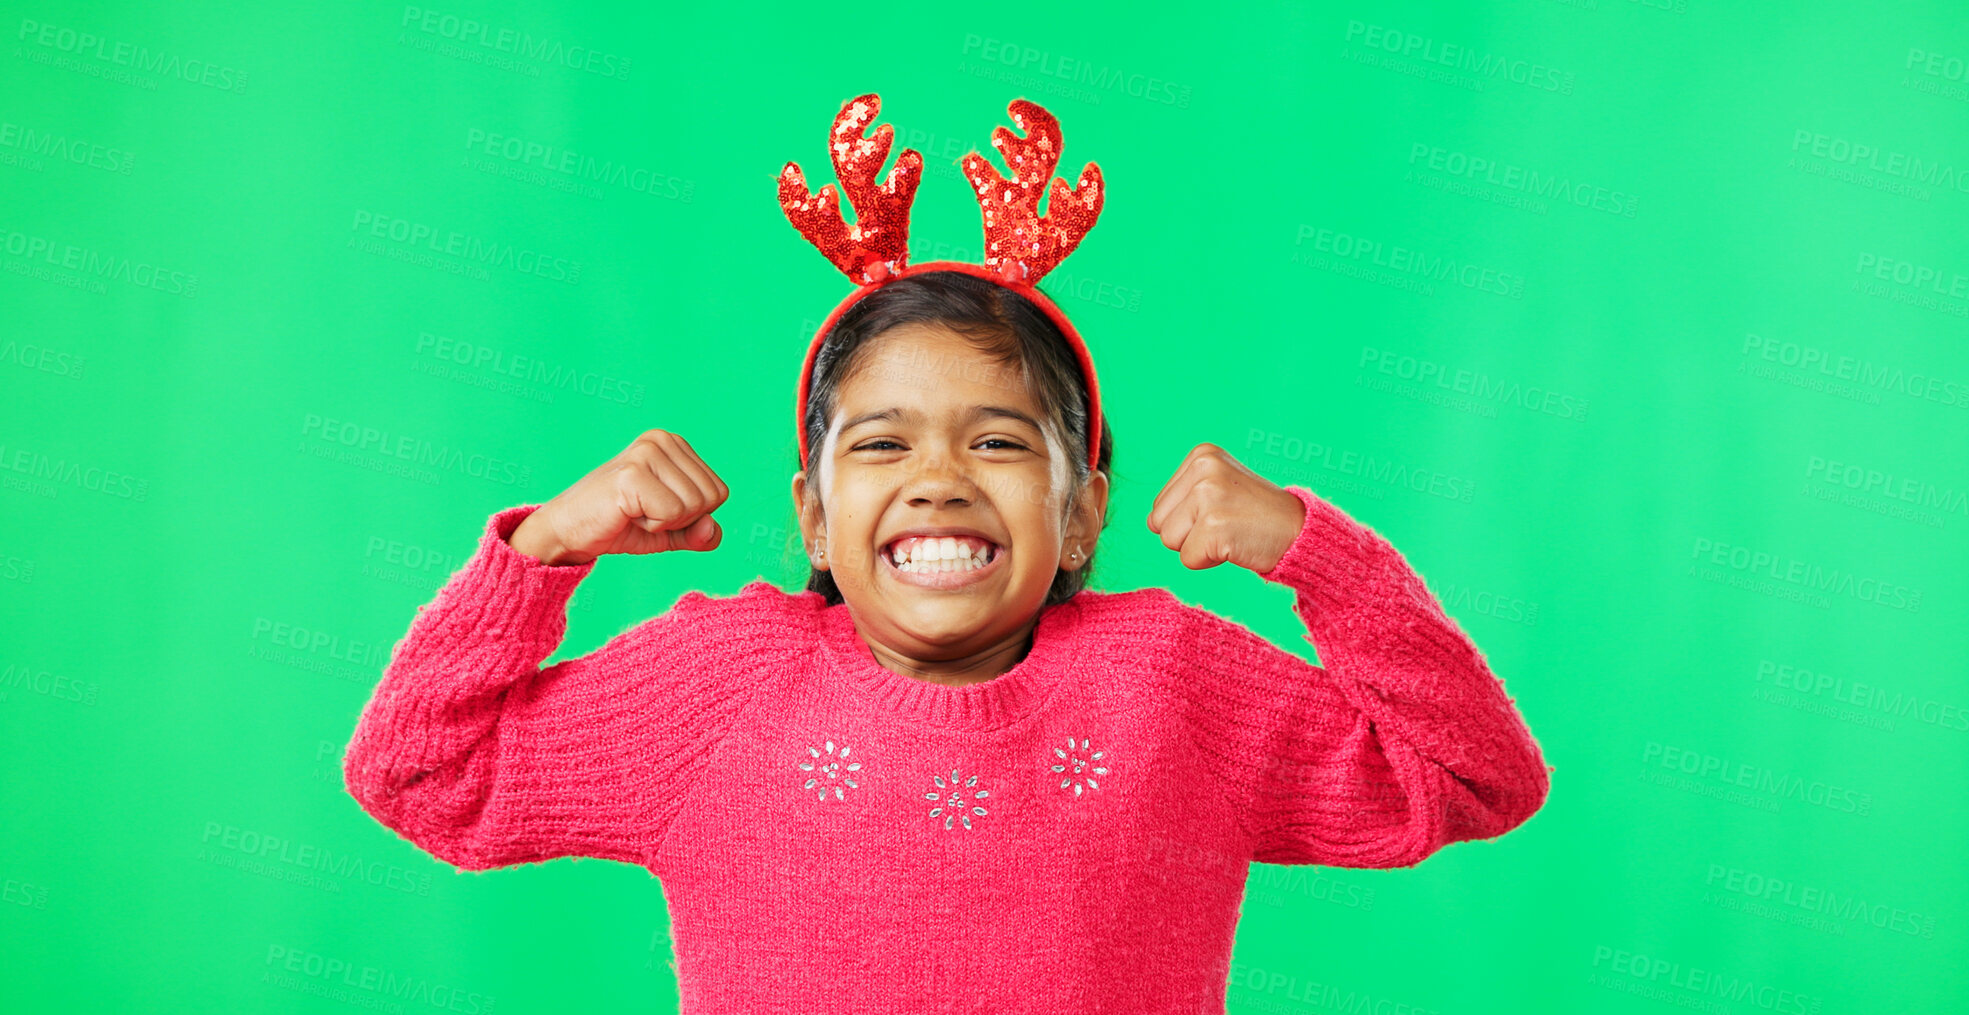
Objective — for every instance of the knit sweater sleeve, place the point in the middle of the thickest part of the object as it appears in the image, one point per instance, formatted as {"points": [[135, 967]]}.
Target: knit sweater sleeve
{"points": [[473, 752], [1402, 743]]}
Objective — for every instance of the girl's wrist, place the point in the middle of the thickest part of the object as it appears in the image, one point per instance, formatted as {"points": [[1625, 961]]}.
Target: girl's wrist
{"points": [[534, 539]]}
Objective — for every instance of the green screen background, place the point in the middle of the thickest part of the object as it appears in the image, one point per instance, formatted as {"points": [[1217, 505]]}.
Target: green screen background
{"points": [[1638, 326]]}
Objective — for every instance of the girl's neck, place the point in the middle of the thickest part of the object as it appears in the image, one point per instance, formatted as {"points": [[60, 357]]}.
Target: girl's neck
{"points": [[973, 669]]}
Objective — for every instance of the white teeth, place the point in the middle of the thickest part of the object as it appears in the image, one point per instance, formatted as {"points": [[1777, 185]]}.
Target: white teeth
{"points": [[962, 564], [938, 554]]}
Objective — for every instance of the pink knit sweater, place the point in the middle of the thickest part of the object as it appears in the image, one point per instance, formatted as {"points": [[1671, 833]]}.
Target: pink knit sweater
{"points": [[1071, 836]]}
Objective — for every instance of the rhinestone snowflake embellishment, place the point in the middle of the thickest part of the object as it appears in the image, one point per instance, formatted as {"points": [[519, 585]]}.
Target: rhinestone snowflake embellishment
{"points": [[956, 801], [1077, 768], [831, 770]]}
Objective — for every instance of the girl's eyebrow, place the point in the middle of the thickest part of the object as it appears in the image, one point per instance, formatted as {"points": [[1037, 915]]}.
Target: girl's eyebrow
{"points": [[902, 415]]}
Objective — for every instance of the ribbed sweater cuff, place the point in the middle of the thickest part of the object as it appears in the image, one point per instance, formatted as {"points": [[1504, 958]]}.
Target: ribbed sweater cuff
{"points": [[541, 587], [1332, 555], [496, 619]]}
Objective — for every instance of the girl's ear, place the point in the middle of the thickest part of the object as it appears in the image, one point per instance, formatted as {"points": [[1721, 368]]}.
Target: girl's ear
{"points": [[813, 531], [1084, 527]]}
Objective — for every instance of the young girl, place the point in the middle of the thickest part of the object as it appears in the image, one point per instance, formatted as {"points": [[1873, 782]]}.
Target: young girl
{"points": [[946, 776]]}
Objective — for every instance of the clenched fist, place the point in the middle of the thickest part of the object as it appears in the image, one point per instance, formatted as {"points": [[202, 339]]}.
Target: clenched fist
{"points": [[1215, 510], [656, 495]]}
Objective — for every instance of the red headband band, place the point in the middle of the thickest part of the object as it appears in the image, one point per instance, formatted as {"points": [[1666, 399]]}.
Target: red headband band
{"points": [[1020, 246]]}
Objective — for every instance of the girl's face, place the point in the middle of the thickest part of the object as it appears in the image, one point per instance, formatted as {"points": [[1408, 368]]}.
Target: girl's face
{"points": [[930, 433]]}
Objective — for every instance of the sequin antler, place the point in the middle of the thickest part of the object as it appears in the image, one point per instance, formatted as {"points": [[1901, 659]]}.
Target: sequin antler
{"points": [[877, 245], [1019, 244], [1020, 247]]}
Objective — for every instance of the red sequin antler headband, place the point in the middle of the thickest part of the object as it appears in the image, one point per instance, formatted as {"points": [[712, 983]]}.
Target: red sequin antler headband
{"points": [[1020, 245]]}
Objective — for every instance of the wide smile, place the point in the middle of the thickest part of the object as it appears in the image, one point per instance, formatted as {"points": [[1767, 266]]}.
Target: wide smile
{"points": [[935, 578]]}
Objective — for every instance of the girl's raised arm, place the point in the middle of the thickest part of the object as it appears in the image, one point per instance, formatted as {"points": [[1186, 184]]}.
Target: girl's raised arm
{"points": [[1403, 742], [480, 757]]}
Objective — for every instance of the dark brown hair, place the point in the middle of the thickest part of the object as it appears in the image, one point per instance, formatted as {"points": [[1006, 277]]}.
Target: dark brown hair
{"points": [[1004, 325]]}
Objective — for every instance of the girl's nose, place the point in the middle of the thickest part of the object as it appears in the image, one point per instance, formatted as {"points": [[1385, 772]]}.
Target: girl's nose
{"points": [[937, 478]]}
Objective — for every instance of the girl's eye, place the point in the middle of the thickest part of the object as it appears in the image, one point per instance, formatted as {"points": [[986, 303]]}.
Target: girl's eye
{"points": [[880, 442]]}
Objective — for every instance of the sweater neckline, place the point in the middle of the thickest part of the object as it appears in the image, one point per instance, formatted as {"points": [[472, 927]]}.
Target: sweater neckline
{"points": [[985, 705]]}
